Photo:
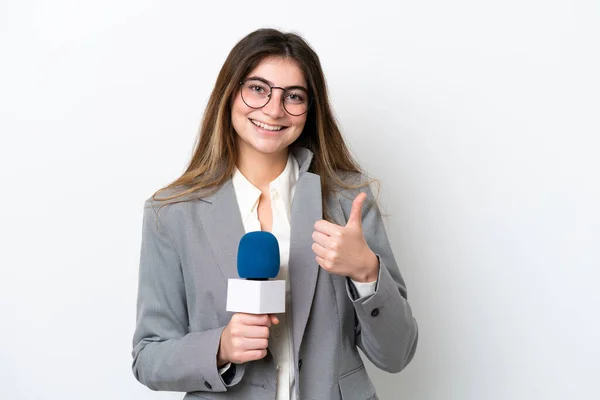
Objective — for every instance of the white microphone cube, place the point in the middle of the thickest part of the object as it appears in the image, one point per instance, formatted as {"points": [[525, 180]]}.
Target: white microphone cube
{"points": [[256, 297]]}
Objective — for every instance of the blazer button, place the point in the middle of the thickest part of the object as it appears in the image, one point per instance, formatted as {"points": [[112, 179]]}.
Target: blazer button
{"points": [[208, 385], [299, 364], [375, 312]]}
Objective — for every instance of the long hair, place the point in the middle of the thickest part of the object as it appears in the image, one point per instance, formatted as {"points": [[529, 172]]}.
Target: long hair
{"points": [[215, 154]]}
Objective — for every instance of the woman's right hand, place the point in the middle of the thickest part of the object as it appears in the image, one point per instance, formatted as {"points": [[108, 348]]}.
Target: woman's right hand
{"points": [[245, 338]]}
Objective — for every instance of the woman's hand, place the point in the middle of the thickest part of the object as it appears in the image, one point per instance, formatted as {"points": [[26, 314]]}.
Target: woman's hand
{"points": [[343, 250], [245, 338]]}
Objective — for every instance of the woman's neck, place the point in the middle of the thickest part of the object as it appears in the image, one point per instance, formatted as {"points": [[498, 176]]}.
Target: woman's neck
{"points": [[259, 168]]}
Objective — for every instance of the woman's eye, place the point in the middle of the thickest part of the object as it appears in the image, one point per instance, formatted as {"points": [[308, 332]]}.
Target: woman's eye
{"points": [[295, 97], [257, 89]]}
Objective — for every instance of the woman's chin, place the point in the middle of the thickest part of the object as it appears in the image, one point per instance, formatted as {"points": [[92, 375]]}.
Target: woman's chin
{"points": [[270, 150], [266, 148]]}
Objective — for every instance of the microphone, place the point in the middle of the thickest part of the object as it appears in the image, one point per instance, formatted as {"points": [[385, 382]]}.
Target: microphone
{"points": [[257, 262], [258, 256]]}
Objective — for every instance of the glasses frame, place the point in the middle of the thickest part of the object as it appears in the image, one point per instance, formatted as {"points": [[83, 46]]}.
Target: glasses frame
{"points": [[269, 96]]}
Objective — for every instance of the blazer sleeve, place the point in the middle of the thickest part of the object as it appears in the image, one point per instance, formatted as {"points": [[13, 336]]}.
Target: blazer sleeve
{"points": [[386, 330], [166, 356]]}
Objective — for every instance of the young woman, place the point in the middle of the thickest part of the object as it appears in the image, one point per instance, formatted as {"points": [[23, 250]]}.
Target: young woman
{"points": [[269, 157]]}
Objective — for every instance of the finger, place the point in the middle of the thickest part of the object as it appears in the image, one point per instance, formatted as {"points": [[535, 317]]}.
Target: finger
{"points": [[248, 344], [253, 319], [323, 263], [253, 355], [254, 332], [320, 250], [328, 228], [323, 240], [356, 211], [274, 319]]}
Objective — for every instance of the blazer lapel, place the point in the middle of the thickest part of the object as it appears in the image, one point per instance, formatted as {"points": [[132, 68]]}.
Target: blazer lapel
{"points": [[222, 222], [303, 268]]}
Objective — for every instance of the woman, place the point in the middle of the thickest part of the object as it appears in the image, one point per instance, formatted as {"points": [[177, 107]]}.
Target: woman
{"points": [[269, 157]]}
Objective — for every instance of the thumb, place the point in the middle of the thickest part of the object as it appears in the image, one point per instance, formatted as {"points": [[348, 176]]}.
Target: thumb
{"points": [[356, 211]]}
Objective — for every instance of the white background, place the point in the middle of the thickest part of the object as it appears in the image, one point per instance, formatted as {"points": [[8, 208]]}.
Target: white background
{"points": [[480, 118]]}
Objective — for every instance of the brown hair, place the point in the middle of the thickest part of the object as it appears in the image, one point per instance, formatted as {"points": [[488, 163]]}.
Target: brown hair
{"points": [[214, 157]]}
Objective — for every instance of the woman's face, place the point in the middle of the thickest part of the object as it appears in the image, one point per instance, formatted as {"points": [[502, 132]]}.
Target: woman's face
{"points": [[270, 129]]}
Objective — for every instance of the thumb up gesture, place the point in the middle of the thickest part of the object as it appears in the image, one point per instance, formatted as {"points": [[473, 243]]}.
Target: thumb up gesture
{"points": [[343, 250]]}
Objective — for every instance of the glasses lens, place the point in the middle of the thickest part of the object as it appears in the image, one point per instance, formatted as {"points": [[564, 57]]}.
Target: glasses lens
{"points": [[295, 101], [255, 93]]}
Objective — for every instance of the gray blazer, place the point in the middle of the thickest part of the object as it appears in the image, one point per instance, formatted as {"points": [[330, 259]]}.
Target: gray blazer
{"points": [[189, 251]]}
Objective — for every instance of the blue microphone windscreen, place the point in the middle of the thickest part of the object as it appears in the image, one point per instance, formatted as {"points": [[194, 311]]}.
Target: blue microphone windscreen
{"points": [[258, 256]]}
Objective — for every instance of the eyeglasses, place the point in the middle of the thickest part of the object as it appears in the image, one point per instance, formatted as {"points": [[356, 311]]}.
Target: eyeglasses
{"points": [[256, 93]]}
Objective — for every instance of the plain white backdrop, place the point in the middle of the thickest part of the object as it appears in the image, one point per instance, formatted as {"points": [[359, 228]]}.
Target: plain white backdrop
{"points": [[480, 119]]}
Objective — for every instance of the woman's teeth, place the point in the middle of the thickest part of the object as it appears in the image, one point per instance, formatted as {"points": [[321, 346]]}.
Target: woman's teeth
{"points": [[267, 127]]}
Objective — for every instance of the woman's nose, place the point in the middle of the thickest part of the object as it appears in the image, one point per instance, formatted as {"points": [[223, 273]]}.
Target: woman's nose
{"points": [[274, 108]]}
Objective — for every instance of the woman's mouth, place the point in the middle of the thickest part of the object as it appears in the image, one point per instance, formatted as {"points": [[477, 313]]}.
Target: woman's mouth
{"points": [[267, 127]]}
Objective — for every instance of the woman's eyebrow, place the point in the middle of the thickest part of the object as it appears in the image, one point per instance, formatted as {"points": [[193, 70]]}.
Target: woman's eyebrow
{"points": [[259, 78]]}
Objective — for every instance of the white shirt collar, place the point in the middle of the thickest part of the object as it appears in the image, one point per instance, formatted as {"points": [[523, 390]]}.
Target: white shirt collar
{"points": [[284, 185]]}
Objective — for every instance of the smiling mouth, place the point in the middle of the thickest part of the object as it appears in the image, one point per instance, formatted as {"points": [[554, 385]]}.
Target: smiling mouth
{"points": [[267, 127]]}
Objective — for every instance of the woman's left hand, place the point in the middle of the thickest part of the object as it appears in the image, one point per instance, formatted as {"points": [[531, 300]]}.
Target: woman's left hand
{"points": [[343, 250]]}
